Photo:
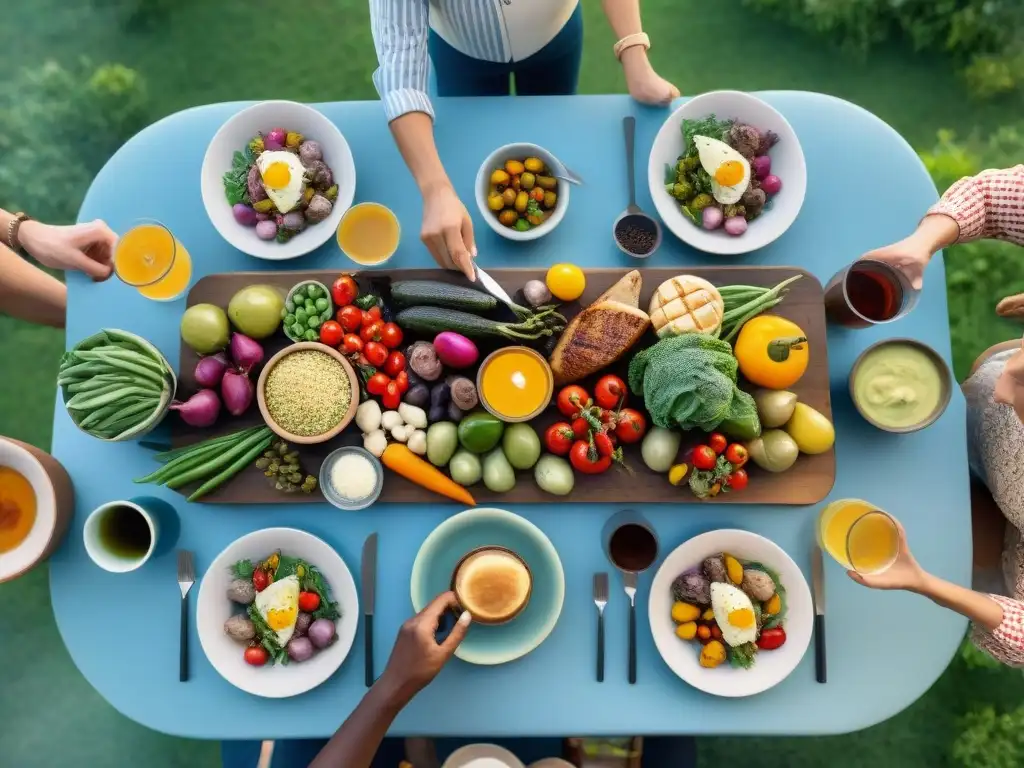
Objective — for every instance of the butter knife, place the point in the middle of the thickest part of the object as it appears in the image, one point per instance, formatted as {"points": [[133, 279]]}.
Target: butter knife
{"points": [[818, 585], [492, 287], [369, 579]]}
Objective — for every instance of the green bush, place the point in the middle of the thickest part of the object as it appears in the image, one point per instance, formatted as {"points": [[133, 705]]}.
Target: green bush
{"points": [[991, 740], [984, 37], [58, 126], [981, 273]]}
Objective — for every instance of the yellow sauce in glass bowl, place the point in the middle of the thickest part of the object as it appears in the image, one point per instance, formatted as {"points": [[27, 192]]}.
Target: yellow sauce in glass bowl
{"points": [[515, 383], [900, 385]]}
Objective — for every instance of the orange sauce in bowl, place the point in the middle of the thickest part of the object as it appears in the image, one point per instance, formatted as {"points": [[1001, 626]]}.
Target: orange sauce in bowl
{"points": [[515, 383], [369, 233], [17, 508]]}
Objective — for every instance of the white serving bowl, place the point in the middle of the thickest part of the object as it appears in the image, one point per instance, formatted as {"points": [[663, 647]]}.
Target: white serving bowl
{"points": [[213, 608], [787, 163], [771, 667], [235, 134], [497, 159]]}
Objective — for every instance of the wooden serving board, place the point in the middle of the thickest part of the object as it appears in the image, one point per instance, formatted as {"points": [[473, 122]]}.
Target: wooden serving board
{"points": [[808, 482]]}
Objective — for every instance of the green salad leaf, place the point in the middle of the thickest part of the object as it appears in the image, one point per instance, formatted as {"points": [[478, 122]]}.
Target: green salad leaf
{"points": [[709, 126], [777, 620], [236, 186], [266, 636], [743, 656], [243, 569]]}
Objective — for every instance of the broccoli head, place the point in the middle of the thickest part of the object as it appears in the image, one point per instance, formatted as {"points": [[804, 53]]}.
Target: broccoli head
{"points": [[734, 210], [701, 201], [681, 190]]}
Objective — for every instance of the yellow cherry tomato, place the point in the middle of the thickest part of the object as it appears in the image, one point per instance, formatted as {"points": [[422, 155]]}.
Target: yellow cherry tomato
{"points": [[772, 352], [566, 282]]}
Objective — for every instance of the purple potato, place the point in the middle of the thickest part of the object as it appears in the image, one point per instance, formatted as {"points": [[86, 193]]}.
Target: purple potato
{"points": [[255, 184], [300, 649], [294, 220], [319, 208], [302, 624], [244, 215], [321, 632], [275, 139], [310, 152], [262, 217], [761, 166], [320, 175], [712, 217], [735, 225], [771, 184], [266, 230]]}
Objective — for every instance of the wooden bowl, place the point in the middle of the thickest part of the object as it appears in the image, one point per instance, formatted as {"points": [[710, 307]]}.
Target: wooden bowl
{"points": [[550, 384], [503, 550], [945, 393], [261, 388]]}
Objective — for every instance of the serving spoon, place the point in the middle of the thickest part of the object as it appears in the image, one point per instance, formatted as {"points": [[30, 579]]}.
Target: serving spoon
{"points": [[636, 234]]}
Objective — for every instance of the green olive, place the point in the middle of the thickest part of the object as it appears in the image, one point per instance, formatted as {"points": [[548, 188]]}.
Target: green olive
{"points": [[534, 165], [509, 197], [547, 182], [522, 199], [527, 180], [550, 198]]}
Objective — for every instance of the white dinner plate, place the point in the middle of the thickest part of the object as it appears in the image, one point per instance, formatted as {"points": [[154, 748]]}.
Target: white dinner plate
{"points": [[482, 756], [771, 667], [213, 608]]}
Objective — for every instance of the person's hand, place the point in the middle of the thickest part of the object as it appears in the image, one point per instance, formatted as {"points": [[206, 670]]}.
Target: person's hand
{"points": [[644, 84], [417, 656], [448, 231], [87, 248], [905, 573], [909, 256]]}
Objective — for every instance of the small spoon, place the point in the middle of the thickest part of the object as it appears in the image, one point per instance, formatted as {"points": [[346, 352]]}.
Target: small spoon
{"points": [[636, 234], [565, 173]]}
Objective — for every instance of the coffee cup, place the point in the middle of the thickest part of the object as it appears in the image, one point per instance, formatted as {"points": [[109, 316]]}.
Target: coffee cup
{"points": [[121, 536]]}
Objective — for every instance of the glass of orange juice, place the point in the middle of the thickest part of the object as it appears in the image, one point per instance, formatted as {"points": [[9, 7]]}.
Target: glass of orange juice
{"points": [[858, 535], [150, 258], [369, 233]]}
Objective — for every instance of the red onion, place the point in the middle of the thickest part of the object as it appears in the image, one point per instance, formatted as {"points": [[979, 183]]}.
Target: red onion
{"points": [[200, 410], [237, 391], [210, 370], [275, 139], [771, 184], [762, 166], [247, 353]]}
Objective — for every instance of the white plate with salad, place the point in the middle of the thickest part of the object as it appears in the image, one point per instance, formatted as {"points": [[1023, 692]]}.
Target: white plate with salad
{"points": [[277, 612], [727, 173]]}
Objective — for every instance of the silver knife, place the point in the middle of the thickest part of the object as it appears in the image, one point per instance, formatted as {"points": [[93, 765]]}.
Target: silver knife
{"points": [[369, 583], [492, 287], [818, 586]]}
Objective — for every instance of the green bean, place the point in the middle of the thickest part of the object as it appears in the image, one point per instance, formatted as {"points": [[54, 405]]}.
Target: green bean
{"points": [[97, 415], [87, 400], [102, 380], [138, 410], [222, 459], [106, 354], [88, 368], [233, 469], [121, 338], [735, 327], [112, 364], [175, 453], [183, 464]]}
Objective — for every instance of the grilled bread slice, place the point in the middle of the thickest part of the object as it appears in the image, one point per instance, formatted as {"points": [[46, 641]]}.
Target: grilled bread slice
{"points": [[601, 333], [686, 304]]}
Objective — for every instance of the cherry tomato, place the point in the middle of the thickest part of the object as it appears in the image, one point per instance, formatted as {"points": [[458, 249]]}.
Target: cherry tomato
{"points": [[391, 335], [371, 332], [376, 353], [610, 392], [331, 333], [351, 318], [736, 455], [558, 438], [352, 343], [260, 579], [605, 446], [609, 417], [402, 380], [394, 364], [256, 655], [377, 384], [581, 429], [391, 398], [704, 457], [716, 632], [631, 426], [771, 639], [717, 442], [371, 315], [344, 290], [571, 399], [581, 459], [308, 601], [738, 480]]}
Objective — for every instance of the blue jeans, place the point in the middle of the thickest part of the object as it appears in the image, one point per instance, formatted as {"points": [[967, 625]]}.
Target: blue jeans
{"points": [[554, 70]]}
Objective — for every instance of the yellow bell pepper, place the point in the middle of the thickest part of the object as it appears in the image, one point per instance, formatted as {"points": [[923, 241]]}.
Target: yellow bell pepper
{"points": [[772, 352]]}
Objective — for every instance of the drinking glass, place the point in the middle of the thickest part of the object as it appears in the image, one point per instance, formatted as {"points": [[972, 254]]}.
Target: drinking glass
{"points": [[152, 260], [868, 292], [858, 535]]}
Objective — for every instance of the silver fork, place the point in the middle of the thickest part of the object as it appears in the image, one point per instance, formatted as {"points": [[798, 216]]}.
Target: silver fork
{"points": [[600, 600], [629, 580], [186, 578]]}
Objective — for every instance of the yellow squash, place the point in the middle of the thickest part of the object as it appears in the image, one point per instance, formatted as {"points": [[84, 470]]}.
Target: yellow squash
{"points": [[772, 352]]}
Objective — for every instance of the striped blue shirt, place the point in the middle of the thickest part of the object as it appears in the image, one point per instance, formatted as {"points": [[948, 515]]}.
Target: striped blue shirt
{"points": [[490, 30]]}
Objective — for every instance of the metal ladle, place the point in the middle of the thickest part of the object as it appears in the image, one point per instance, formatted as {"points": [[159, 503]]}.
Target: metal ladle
{"points": [[633, 218]]}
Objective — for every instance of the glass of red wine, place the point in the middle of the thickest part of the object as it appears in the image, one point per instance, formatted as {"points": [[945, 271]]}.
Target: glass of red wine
{"points": [[867, 293]]}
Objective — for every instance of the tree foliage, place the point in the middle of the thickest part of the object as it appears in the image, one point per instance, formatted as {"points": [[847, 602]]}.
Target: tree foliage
{"points": [[991, 740]]}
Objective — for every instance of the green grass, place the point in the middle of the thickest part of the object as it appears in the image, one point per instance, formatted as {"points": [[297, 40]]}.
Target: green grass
{"points": [[203, 52]]}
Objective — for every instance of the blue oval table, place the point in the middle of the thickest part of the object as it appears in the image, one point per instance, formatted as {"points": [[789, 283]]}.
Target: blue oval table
{"points": [[866, 187]]}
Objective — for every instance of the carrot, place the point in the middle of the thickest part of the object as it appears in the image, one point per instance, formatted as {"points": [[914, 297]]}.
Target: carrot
{"points": [[398, 458]]}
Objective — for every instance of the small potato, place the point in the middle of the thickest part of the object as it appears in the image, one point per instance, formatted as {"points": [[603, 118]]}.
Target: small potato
{"points": [[534, 165], [509, 197], [774, 605], [712, 654], [495, 202], [302, 623], [684, 612], [527, 181], [550, 199], [733, 569], [499, 177], [514, 167], [547, 182], [687, 631], [240, 629], [522, 199], [708, 615], [703, 633], [508, 217], [241, 591]]}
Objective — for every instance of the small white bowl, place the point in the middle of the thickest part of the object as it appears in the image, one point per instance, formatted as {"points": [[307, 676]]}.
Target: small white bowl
{"points": [[335, 498], [497, 160], [235, 134], [787, 163]]}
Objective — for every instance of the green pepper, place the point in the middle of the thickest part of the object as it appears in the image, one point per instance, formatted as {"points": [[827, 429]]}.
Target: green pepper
{"points": [[522, 225], [480, 431]]}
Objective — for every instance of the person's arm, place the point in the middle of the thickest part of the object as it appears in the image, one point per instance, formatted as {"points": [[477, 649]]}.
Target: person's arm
{"points": [[989, 205], [28, 293], [415, 661], [645, 85]]}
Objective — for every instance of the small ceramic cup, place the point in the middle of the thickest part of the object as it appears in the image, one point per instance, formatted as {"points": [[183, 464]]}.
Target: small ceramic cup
{"points": [[98, 542]]}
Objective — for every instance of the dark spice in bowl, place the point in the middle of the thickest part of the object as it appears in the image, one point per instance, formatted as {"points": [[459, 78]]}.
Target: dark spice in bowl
{"points": [[637, 235]]}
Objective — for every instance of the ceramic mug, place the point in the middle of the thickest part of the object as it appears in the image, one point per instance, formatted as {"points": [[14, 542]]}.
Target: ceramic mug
{"points": [[121, 536]]}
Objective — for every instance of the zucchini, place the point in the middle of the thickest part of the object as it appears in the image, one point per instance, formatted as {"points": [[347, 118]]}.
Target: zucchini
{"points": [[433, 293], [432, 320]]}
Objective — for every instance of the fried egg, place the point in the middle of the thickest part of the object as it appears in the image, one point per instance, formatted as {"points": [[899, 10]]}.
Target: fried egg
{"points": [[734, 614], [278, 604], [728, 169], [282, 174]]}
